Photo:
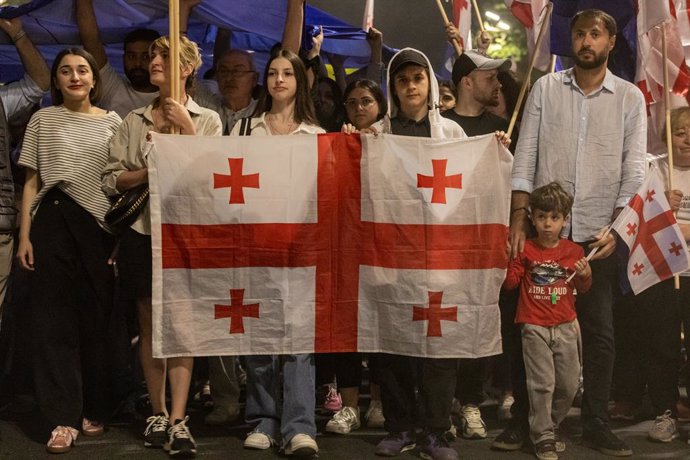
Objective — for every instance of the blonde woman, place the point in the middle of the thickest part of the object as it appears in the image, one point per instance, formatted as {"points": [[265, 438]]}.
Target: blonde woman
{"points": [[127, 169]]}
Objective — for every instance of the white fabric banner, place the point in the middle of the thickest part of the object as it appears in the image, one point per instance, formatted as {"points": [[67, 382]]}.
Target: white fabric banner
{"points": [[298, 244]]}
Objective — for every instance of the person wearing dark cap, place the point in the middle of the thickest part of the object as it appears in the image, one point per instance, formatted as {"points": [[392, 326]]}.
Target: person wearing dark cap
{"points": [[412, 111], [477, 88]]}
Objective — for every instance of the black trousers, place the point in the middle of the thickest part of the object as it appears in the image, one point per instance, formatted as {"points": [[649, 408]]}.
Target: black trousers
{"points": [[512, 353], [439, 377], [399, 378], [595, 314], [652, 321], [71, 303], [469, 388], [346, 367]]}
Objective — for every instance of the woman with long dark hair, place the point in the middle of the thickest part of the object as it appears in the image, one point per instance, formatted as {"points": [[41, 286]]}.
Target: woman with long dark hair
{"points": [[285, 108], [64, 241]]}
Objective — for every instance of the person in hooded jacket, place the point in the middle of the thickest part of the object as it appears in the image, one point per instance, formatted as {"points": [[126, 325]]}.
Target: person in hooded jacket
{"points": [[412, 111]]}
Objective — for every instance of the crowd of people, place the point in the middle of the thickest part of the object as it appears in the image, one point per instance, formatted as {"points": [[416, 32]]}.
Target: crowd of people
{"points": [[580, 156]]}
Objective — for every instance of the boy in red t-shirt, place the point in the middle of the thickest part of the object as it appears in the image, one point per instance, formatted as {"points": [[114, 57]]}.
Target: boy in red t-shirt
{"points": [[546, 311]]}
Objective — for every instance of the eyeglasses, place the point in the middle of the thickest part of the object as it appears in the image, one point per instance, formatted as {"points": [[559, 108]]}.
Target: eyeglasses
{"points": [[222, 73], [365, 103]]}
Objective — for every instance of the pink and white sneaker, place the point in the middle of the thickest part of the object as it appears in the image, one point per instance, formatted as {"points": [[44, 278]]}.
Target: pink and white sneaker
{"points": [[333, 402]]}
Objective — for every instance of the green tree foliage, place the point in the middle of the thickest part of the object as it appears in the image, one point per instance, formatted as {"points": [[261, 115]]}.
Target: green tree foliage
{"points": [[510, 43]]}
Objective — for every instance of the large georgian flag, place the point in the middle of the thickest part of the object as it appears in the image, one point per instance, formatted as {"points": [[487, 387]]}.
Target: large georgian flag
{"points": [[657, 250], [328, 243]]}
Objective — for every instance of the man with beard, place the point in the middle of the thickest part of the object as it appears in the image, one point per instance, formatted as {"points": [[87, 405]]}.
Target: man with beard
{"points": [[475, 76], [587, 130], [119, 93]]}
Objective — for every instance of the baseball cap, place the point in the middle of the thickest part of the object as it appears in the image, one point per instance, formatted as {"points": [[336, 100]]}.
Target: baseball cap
{"points": [[407, 56], [471, 60]]}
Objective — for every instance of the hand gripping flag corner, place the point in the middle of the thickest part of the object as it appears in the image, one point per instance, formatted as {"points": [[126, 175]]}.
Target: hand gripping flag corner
{"points": [[328, 243]]}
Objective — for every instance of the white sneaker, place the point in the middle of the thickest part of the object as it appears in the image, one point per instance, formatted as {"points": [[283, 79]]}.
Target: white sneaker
{"points": [[258, 440], [374, 415], [664, 428], [301, 445], [503, 412], [473, 427], [344, 421]]}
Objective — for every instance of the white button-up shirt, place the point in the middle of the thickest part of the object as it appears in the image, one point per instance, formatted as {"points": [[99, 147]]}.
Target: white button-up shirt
{"points": [[593, 145]]}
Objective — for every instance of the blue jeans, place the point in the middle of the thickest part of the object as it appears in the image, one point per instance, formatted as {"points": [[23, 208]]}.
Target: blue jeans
{"points": [[295, 413]]}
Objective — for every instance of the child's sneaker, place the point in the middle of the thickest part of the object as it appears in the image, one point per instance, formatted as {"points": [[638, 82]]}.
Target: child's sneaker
{"points": [[546, 450], [180, 444]]}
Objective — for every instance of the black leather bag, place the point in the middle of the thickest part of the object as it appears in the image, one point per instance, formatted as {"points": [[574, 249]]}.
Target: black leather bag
{"points": [[126, 208]]}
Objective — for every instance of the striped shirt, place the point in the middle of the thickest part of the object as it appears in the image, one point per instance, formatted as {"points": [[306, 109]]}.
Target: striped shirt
{"points": [[69, 150]]}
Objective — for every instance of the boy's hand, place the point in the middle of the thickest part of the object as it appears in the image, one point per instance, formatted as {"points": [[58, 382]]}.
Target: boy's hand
{"points": [[582, 268]]}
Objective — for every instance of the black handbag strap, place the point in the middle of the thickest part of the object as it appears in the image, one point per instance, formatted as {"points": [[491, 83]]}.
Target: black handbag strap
{"points": [[246, 126]]}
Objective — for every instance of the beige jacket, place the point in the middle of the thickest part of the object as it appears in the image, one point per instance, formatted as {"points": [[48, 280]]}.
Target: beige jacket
{"points": [[128, 145]]}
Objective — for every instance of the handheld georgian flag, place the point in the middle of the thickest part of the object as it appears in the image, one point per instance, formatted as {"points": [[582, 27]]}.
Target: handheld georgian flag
{"points": [[657, 249], [652, 17], [301, 244], [462, 19], [532, 15]]}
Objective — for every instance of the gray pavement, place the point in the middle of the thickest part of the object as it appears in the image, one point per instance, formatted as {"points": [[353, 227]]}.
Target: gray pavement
{"points": [[21, 438]]}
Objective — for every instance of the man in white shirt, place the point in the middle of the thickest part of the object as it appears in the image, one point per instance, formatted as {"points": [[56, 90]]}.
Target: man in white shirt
{"points": [[587, 130]]}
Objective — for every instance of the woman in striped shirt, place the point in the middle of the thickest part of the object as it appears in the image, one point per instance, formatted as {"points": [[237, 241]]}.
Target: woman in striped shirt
{"points": [[64, 242]]}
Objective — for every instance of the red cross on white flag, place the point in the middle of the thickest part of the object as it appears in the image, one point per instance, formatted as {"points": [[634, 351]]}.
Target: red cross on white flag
{"points": [[672, 16], [657, 249], [339, 249]]}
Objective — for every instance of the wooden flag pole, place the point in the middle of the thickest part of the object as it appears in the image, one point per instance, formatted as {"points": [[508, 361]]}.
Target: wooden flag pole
{"points": [[479, 16], [174, 53], [456, 44], [552, 64], [523, 90], [669, 138]]}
